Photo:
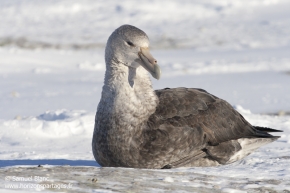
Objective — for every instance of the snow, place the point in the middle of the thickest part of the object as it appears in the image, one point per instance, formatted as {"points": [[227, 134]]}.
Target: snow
{"points": [[52, 70]]}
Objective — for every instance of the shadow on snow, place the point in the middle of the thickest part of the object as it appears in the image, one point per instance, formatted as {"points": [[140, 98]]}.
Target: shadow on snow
{"points": [[4, 163]]}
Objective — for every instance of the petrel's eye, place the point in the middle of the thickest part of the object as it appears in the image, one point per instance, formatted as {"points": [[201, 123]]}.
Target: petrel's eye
{"points": [[130, 43]]}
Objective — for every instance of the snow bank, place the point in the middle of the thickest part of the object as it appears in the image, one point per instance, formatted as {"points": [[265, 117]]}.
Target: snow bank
{"points": [[204, 24], [60, 134]]}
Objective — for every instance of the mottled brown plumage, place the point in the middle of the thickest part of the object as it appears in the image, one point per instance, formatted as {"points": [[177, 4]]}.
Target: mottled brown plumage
{"points": [[179, 127]]}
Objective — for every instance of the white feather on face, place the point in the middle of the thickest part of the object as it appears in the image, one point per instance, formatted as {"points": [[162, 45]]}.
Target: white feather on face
{"points": [[129, 46], [124, 45]]}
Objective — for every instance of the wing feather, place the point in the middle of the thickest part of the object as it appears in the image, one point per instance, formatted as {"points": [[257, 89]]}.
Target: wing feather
{"points": [[191, 123], [196, 108]]}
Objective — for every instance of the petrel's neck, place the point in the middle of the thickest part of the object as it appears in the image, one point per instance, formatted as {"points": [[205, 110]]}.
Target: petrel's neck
{"points": [[128, 94]]}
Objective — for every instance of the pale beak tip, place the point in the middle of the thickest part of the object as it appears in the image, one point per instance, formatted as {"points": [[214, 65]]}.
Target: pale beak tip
{"points": [[157, 72]]}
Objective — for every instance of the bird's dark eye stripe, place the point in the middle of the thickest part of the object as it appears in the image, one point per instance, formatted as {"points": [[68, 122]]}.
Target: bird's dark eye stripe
{"points": [[130, 43]]}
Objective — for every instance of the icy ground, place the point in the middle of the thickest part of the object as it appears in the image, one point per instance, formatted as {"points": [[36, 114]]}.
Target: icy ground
{"points": [[52, 69]]}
